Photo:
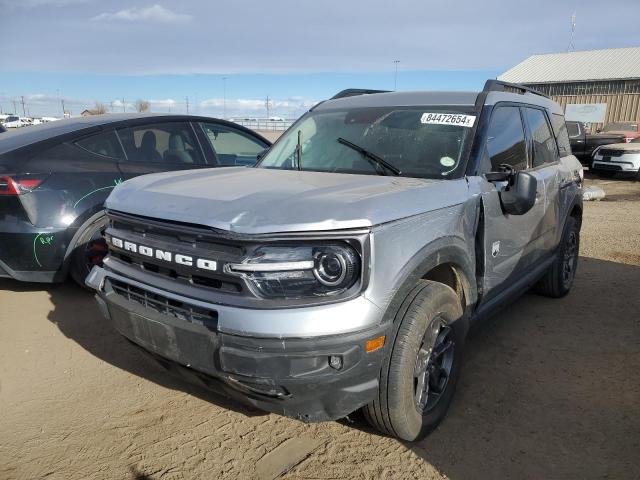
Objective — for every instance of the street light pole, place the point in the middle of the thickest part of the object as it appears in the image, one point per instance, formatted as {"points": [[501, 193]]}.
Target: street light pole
{"points": [[395, 77], [224, 97]]}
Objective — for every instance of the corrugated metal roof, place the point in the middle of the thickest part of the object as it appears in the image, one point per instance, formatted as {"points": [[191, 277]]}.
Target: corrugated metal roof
{"points": [[608, 64]]}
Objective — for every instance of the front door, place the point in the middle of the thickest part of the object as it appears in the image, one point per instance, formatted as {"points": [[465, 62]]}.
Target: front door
{"points": [[512, 243]]}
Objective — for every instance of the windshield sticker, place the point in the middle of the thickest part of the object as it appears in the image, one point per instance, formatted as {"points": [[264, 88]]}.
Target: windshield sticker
{"points": [[448, 119], [447, 162]]}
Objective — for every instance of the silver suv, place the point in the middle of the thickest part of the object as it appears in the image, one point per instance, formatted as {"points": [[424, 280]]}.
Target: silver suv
{"points": [[343, 271]]}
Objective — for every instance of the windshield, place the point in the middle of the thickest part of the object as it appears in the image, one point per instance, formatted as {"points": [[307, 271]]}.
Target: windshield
{"points": [[424, 142], [11, 119], [621, 127]]}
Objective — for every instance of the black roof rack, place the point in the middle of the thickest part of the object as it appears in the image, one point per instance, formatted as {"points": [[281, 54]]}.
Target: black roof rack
{"points": [[352, 92], [500, 86]]}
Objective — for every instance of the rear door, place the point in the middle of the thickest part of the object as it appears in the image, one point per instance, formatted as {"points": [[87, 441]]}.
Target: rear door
{"points": [[160, 147], [545, 166], [512, 244]]}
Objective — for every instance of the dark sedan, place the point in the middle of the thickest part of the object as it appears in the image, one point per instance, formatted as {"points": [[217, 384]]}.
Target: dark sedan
{"points": [[55, 177]]}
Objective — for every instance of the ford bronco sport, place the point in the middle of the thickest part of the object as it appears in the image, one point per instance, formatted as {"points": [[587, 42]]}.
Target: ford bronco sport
{"points": [[343, 271]]}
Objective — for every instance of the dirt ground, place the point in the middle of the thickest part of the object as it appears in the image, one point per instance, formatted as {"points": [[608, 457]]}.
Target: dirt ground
{"points": [[550, 389]]}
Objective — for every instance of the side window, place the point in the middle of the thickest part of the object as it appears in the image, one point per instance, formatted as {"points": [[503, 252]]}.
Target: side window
{"points": [[232, 147], [544, 145], [171, 142], [561, 130], [572, 128], [105, 144], [505, 139]]}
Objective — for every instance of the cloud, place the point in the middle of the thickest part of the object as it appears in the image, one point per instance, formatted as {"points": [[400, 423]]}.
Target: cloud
{"points": [[253, 105], [27, 4], [155, 13]]}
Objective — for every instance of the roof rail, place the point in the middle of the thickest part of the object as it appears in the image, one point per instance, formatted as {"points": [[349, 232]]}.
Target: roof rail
{"points": [[500, 86], [352, 92]]}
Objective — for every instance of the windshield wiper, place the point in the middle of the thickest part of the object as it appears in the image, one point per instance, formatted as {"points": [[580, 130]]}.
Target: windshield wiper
{"points": [[371, 157], [299, 150]]}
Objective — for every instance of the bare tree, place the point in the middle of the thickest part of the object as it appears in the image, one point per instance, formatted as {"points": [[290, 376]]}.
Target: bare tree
{"points": [[99, 109], [142, 106]]}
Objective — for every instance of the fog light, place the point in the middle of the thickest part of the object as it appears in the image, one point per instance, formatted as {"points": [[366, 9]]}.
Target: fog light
{"points": [[335, 362]]}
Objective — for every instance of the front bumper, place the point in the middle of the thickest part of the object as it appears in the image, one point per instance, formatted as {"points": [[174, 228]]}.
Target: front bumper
{"points": [[629, 163], [291, 376]]}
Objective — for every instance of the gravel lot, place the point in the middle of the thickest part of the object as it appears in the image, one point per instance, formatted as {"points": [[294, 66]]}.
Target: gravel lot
{"points": [[550, 389]]}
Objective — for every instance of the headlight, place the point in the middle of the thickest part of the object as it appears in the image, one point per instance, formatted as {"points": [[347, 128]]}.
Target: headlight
{"points": [[300, 271]]}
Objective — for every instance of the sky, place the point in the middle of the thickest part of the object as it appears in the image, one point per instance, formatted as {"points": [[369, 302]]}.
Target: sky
{"points": [[227, 56]]}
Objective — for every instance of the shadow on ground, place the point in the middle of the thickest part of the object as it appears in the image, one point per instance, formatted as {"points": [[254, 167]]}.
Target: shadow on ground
{"points": [[550, 388], [76, 314]]}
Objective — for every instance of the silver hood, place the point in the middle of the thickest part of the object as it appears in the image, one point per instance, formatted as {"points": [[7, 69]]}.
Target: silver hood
{"points": [[257, 200]]}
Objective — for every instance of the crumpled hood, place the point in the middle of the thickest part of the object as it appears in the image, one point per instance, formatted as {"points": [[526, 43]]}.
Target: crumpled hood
{"points": [[258, 200]]}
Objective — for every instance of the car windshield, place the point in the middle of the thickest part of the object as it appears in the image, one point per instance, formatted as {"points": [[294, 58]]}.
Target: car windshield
{"points": [[423, 142], [621, 127], [11, 119]]}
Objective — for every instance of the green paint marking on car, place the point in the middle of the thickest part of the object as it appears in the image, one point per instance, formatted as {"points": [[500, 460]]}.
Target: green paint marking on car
{"points": [[116, 182]]}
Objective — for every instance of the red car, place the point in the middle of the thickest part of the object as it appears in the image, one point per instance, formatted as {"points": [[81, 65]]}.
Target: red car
{"points": [[630, 130]]}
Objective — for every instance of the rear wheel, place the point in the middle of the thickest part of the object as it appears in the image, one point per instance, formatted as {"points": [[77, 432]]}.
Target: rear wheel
{"points": [[89, 251], [420, 373], [559, 278]]}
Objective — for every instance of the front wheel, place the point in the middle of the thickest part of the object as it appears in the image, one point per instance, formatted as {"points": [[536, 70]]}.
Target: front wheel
{"points": [[420, 373]]}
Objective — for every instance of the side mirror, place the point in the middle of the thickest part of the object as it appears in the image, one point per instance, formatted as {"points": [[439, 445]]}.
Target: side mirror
{"points": [[520, 195], [262, 154]]}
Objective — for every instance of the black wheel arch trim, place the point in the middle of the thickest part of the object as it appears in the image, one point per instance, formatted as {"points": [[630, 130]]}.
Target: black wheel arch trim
{"points": [[443, 251]]}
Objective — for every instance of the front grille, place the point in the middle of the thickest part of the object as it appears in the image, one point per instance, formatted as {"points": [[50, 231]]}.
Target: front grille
{"points": [[618, 153], [608, 167], [166, 306], [183, 239]]}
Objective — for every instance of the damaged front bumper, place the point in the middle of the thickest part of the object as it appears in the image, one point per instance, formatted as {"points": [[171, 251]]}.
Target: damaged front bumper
{"points": [[316, 378]]}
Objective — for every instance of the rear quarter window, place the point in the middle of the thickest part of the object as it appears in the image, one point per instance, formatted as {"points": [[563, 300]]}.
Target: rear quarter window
{"points": [[105, 144], [560, 131]]}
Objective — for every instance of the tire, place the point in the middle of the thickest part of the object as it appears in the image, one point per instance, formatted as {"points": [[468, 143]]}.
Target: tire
{"points": [[88, 250], [558, 280], [400, 410]]}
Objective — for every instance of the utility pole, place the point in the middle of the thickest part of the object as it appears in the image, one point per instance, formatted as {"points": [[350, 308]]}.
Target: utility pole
{"points": [[62, 102], [395, 77], [267, 104], [58, 95], [124, 106], [224, 97], [15, 106], [24, 114], [571, 47], [187, 100]]}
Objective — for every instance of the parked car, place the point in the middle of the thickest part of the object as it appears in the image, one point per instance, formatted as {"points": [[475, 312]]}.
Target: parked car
{"points": [[2, 129], [13, 121], [55, 177], [345, 269], [583, 144], [621, 158], [630, 130]]}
